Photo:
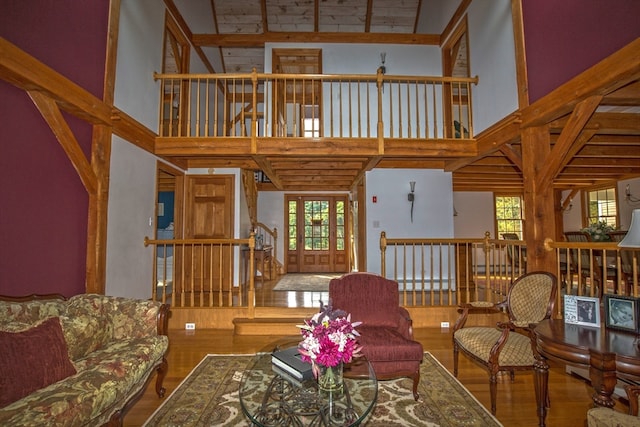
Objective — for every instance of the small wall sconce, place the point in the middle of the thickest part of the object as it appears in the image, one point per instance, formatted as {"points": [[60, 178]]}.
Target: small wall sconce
{"points": [[383, 58], [411, 196], [628, 197]]}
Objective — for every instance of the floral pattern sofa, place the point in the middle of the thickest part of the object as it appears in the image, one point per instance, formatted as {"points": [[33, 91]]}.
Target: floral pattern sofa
{"points": [[108, 350]]}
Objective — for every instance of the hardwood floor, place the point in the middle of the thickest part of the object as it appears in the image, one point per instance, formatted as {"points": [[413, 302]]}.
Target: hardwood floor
{"points": [[570, 396]]}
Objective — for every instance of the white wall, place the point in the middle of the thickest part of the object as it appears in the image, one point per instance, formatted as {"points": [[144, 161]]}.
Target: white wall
{"points": [[492, 51], [131, 208], [432, 211], [475, 214], [132, 184]]}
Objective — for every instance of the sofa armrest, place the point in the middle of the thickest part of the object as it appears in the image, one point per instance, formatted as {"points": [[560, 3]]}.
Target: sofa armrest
{"points": [[162, 320]]}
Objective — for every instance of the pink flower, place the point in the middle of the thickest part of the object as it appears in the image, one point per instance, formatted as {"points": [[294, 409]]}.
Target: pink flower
{"points": [[329, 338]]}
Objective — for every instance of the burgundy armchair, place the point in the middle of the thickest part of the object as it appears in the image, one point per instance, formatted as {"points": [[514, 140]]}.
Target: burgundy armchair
{"points": [[386, 333]]}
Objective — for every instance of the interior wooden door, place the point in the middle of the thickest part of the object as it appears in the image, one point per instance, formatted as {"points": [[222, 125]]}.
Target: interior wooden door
{"points": [[317, 234], [209, 215]]}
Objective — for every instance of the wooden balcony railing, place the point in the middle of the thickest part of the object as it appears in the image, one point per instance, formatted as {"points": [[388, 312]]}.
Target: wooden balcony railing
{"points": [[437, 272], [203, 272], [314, 106], [444, 272]]}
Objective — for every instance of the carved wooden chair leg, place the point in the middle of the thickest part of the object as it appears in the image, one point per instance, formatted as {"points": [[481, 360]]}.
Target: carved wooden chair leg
{"points": [[493, 391]]}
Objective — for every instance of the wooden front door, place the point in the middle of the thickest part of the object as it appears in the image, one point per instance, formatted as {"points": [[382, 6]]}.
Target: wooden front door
{"points": [[209, 215], [317, 234]]}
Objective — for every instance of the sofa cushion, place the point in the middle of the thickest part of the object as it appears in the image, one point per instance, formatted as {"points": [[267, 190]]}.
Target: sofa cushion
{"points": [[86, 326], [32, 359]]}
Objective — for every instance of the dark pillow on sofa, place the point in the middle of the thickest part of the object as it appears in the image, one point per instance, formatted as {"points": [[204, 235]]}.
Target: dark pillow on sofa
{"points": [[32, 359]]}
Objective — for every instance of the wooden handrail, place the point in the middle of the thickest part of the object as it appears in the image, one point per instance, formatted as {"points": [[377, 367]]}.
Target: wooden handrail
{"points": [[372, 106]]}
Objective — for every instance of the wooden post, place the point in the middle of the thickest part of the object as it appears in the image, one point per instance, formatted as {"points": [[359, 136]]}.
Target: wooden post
{"points": [[538, 198]]}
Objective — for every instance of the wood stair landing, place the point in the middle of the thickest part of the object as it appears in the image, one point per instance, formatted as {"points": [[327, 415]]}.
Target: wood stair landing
{"points": [[267, 326]]}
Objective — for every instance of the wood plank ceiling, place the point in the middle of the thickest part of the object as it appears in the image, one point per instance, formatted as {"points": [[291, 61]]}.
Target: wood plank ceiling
{"points": [[233, 42]]}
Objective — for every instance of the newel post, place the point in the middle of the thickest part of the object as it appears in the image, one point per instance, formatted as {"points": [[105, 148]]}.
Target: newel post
{"points": [[383, 249]]}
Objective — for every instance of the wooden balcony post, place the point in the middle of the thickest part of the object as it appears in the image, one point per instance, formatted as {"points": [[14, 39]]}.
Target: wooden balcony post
{"points": [[380, 84], [383, 249], [254, 111]]}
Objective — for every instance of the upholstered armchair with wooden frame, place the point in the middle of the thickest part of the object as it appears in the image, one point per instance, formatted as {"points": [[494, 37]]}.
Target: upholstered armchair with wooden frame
{"points": [[507, 346], [386, 332]]}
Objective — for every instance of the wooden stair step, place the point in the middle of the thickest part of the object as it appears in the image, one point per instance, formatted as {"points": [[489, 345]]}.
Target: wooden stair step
{"points": [[267, 326]]}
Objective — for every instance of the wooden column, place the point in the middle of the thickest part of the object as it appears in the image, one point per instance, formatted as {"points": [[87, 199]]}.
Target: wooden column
{"points": [[96, 263], [538, 198]]}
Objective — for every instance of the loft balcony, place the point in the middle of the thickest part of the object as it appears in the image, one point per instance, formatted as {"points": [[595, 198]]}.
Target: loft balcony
{"points": [[310, 131]]}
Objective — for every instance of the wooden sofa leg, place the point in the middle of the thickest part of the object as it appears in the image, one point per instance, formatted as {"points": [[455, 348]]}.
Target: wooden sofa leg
{"points": [[161, 370], [416, 381]]}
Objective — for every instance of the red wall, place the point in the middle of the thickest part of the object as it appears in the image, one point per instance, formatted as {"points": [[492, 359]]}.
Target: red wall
{"points": [[43, 204], [565, 37]]}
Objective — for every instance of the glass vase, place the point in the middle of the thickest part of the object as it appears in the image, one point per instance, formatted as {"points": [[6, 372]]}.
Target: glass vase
{"points": [[330, 378]]}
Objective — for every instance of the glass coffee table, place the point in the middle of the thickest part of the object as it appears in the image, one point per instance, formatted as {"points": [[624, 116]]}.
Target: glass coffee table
{"points": [[271, 399]]}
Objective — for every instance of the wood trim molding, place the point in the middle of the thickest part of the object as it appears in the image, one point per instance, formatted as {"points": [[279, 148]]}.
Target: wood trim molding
{"points": [[259, 40]]}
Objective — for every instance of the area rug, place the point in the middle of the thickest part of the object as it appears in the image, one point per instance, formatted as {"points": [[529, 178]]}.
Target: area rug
{"points": [[314, 282], [209, 397]]}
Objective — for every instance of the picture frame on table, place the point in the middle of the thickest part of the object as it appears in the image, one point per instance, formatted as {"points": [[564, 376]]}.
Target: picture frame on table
{"points": [[583, 311], [621, 312]]}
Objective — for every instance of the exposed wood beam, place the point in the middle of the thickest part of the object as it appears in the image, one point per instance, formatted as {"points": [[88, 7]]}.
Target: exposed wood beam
{"points": [[266, 168], [521, 57], [560, 154], [457, 15], [259, 40], [26, 72], [610, 74], [133, 131], [367, 19], [512, 155], [626, 96], [489, 141], [53, 116]]}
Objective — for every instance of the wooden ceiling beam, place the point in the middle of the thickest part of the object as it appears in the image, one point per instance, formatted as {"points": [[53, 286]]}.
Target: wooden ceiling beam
{"points": [[625, 96], [489, 141], [259, 40], [568, 143], [26, 72], [512, 155]]}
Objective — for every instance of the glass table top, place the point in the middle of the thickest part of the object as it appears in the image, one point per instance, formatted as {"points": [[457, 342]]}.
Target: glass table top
{"points": [[272, 398]]}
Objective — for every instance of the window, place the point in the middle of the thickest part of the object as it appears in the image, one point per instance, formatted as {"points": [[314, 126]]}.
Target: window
{"points": [[509, 215], [601, 206]]}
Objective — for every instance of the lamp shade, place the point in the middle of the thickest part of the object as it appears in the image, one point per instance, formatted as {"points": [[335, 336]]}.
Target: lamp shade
{"points": [[632, 238]]}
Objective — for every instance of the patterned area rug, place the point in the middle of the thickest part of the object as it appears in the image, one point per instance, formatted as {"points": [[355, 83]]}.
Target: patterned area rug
{"points": [[209, 396], [316, 282]]}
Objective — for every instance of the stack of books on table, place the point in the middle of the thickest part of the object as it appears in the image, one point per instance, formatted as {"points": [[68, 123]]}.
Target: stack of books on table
{"points": [[288, 363]]}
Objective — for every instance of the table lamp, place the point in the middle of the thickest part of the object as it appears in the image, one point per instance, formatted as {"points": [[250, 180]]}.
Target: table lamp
{"points": [[632, 238]]}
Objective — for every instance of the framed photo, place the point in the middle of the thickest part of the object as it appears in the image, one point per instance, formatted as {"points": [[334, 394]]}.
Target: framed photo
{"points": [[583, 311], [621, 312]]}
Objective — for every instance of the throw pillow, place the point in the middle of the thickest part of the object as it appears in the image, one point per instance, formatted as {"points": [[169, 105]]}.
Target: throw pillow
{"points": [[32, 359]]}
